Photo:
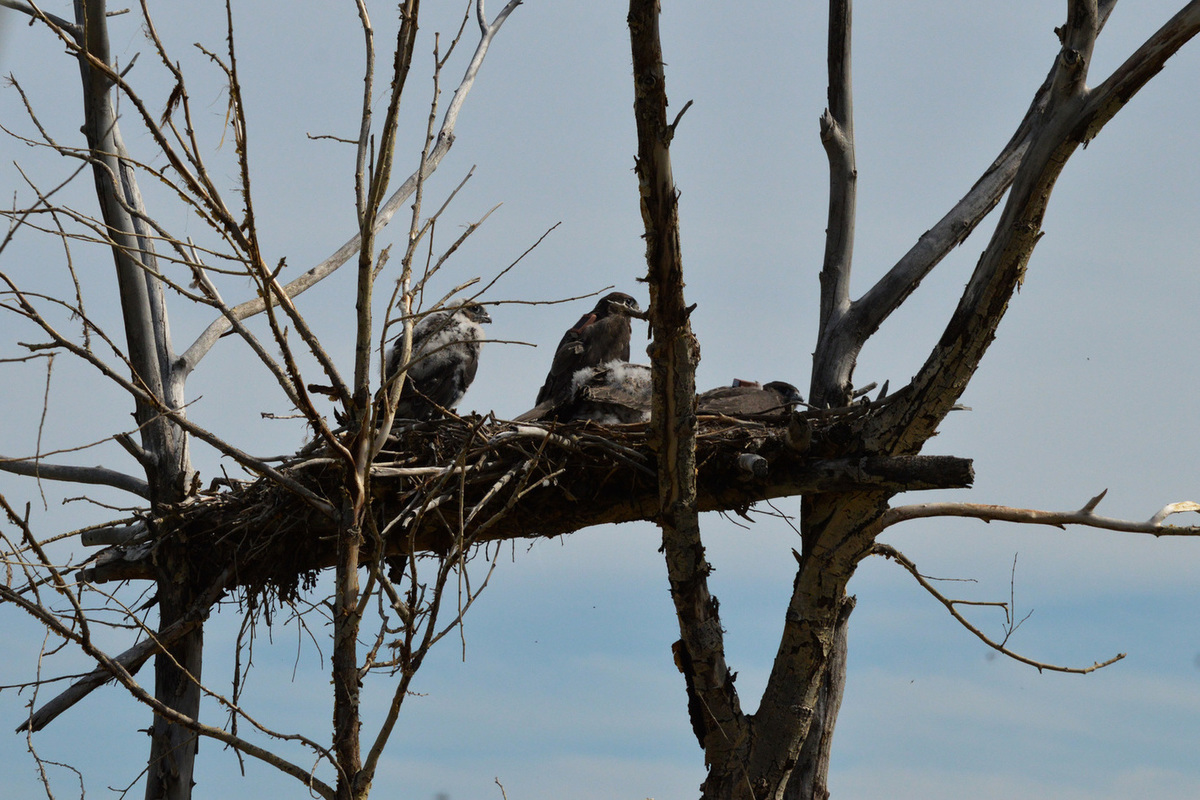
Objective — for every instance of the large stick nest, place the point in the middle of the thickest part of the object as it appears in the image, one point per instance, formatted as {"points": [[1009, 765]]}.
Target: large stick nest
{"points": [[444, 486]]}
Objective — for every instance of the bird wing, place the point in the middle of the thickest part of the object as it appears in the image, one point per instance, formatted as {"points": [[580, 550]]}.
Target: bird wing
{"points": [[568, 358], [735, 401]]}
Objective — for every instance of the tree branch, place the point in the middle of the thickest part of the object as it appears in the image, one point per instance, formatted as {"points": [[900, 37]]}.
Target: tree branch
{"points": [[1109, 97], [835, 356], [188, 361], [37, 13], [892, 553], [143, 306], [76, 630], [141, 395], [130, 660], [96, 476], [123, 676], [830, 387], [1070, 115], [1058, 519], [674, 353]]}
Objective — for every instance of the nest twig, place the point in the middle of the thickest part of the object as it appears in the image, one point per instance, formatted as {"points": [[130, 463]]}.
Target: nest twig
{"points": [[457, 482]]}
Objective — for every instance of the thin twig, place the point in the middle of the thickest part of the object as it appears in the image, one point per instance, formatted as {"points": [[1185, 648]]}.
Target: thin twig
{"points": [[887, 551]]}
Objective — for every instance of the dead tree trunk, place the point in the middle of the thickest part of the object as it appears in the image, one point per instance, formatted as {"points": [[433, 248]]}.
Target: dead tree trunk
{"points": [[163, 449], [782, 749], [810, 778], [717, 717]]}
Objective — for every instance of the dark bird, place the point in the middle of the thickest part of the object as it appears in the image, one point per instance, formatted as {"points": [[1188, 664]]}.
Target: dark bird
{"points": [[746, 398], [600, 336], [445, 357]]}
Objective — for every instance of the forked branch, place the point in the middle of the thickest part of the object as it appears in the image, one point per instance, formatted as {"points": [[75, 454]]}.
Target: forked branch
{"points": [[889, 552], [840, 342], [1071, 114]]}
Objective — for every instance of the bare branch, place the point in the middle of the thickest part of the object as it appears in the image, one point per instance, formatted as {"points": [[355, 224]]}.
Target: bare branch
{"points": [[147, 331], [837, 134], [1104, 101], [123, 676], [445, 140], [1173, 508], [892, 553], [77, 631], [131, 660], [1069, 115], [722, 728], [37, 13], [1057, 519], [96, 476], [140, 394], [834, 360]]}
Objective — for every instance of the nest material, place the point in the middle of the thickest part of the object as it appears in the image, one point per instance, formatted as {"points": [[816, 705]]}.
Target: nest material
{"points": [[444, 486]]}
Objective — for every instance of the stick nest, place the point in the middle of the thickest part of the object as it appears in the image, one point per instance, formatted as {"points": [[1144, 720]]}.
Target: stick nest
{"points": [[444, 487]]}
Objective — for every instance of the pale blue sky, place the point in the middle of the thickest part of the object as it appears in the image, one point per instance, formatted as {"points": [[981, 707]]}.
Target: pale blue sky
{"points": [[568, 688]]}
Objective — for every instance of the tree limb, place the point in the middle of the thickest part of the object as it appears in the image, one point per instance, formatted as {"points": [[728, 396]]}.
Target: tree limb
{"points": [[674, 353], [37, 13], [131, 660], [892, 553], [191, 357], [97, 476], [833, 362], [1058, 519], [837, 134], [140, 394], [1070, 115], [122, 675], [142, 303], [1105, 100]]}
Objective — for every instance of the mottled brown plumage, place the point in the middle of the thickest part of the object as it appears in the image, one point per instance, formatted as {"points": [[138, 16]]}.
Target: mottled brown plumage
{"points": [[612, 393], [746, 398]]}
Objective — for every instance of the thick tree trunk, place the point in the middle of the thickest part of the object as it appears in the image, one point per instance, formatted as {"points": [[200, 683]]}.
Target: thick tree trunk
{"points": [[164, 448], [810, 777], [177, 685]]}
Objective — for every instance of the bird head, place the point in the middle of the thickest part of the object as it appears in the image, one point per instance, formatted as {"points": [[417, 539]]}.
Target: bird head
{"points": [[789, 393], [618, 303], [476, 313]]}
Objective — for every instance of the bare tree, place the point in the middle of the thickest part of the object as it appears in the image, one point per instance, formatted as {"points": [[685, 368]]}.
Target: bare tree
{"points": [[150, 262], [397, 514], [782, 749]]}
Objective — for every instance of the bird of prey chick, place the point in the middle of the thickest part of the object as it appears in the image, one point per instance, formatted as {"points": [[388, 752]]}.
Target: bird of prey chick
{"points": [[600, 336], [745, 398], [611, 394], [445, 357]]}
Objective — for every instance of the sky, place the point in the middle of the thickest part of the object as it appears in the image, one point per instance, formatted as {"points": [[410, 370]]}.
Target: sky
{"points": [[565, 685]]}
